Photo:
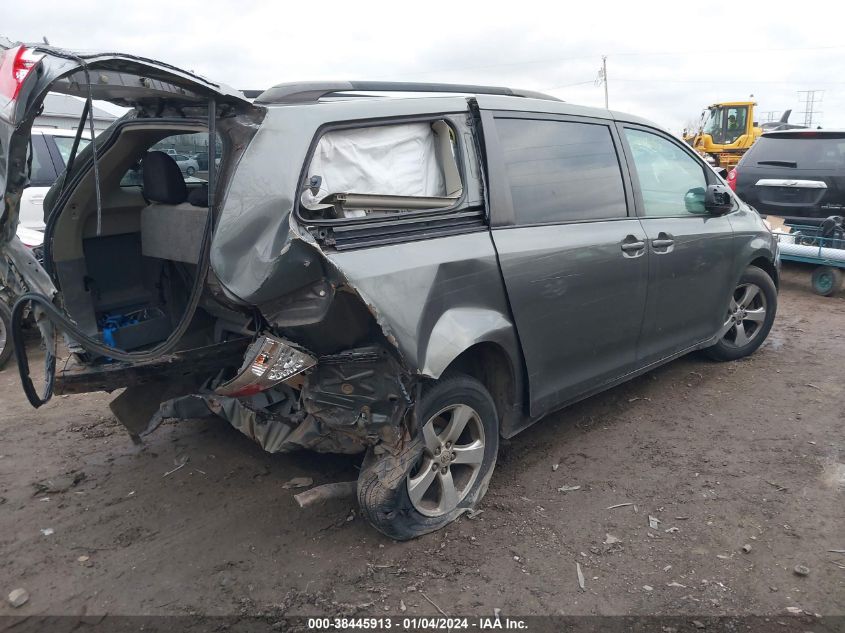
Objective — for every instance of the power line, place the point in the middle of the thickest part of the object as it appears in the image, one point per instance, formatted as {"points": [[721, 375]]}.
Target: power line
{"points": [[690, 53], [728, 81]]}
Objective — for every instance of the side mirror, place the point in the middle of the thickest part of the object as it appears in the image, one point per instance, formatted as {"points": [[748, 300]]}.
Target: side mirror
{"points": [[717, 200], [694, 200]]}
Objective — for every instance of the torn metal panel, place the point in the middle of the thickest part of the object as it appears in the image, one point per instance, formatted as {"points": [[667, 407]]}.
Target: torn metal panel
{"points": [[138, 404], [364, 390], [20, 271], [280, 432], [416, 293]]}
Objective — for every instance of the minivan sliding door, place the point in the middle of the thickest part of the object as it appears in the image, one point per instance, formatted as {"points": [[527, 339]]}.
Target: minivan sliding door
{"points": [[573, 258]]}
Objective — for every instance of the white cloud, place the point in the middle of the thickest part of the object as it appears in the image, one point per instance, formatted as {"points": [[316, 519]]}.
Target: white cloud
{"points": [[666, 61]]}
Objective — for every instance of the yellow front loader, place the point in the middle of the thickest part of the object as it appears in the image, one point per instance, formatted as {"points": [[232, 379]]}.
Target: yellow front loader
{"points": [[727, 130]]}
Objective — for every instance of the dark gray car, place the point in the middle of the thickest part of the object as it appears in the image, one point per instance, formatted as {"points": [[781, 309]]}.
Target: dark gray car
{"points": [[408, 277]]}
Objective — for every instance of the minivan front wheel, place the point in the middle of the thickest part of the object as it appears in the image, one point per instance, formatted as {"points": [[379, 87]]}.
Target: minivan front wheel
{"points": [[749, 317], [443, 471]]}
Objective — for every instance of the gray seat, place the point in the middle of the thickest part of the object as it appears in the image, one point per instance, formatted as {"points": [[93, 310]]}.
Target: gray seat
{"points": [[171, 226]]}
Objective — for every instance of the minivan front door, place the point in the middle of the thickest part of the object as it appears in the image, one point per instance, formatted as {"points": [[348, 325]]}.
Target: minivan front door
{"points": [[574, 262], [690, 250]]}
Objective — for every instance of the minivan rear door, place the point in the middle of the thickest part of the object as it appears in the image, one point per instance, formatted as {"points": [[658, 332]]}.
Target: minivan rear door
{"points": [[796, 174], [29, 71]]}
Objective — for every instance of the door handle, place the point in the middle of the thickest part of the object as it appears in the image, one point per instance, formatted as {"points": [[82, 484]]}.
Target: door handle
{"points": [[664, 241], [632, 246]]}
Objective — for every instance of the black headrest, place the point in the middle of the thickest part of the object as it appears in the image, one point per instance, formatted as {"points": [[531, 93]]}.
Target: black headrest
{"points": [[199, 196], [163, 180]]}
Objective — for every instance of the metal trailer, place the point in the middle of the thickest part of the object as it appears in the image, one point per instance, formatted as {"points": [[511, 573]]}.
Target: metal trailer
{"points": [[806, 244]]}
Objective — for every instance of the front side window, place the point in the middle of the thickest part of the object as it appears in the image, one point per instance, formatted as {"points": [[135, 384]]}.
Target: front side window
{"points": [[561, 171], [672, 182]]}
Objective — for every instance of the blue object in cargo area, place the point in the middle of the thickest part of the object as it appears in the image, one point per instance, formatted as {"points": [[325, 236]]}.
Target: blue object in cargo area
{"points": [[110, 323]]}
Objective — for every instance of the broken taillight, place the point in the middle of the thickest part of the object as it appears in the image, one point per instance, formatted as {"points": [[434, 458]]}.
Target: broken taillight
{"points": [[267, 362], [15, 65]]}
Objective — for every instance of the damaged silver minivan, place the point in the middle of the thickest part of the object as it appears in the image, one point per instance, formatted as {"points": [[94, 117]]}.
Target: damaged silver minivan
{"points": [[406, 271]]}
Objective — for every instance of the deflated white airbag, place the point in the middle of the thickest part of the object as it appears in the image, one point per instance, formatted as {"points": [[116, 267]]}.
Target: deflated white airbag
{"points": [[399, 160]]}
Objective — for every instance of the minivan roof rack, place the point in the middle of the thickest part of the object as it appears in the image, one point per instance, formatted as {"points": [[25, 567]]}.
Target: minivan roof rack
{"points": [[312, 91]]}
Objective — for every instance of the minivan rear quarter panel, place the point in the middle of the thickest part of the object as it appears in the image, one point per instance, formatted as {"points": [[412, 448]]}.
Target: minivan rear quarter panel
{"points": [[251, 250]]}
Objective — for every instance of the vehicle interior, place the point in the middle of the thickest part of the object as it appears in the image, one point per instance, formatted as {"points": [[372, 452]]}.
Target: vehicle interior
{"points": [[129, 282]]}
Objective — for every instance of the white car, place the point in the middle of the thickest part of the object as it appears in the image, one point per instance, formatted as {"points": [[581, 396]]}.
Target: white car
{"points": [[188, 165], [31, 238], [50, 151]]}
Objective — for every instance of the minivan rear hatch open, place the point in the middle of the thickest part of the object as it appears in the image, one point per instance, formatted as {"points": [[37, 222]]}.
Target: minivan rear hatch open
{"points": [[29, 71]]}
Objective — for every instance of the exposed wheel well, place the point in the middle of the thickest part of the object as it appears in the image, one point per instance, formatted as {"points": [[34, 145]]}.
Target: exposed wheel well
{"points": [[489, 364], [767, 266]]}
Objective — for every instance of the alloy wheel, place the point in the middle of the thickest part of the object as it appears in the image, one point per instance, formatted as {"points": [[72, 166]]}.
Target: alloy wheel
{"points": [[451, 461], [745, 317]]}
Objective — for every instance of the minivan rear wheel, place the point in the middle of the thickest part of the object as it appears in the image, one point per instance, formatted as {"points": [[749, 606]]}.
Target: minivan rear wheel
{"points": [[748, 318], [443, 472], [5, 333]]}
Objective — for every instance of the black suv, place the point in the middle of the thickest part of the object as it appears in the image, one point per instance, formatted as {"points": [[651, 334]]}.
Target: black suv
{"points": [[795, 174]]}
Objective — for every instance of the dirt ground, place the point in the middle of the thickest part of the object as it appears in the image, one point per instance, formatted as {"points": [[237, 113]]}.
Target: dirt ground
{"points": [[722, 455]]}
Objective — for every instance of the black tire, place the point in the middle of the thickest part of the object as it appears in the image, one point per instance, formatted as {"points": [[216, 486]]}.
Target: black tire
{"points": [[5, 333], [826, 280], [725, 349], [190, 171], [383, 482]]}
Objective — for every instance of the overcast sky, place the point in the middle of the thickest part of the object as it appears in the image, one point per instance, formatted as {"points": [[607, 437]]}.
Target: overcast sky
{"points": [[666, 61]]}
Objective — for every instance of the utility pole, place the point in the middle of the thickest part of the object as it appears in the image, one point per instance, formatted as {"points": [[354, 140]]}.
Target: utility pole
{"points": [[811, 98], [602, 77]]}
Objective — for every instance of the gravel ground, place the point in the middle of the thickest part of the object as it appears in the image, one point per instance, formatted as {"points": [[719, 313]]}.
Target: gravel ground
{"points": [[723, 457]]}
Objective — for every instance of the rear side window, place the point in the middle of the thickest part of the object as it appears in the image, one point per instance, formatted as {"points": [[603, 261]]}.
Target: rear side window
{"points": [[65, 145], [799, 152], [361, 172], [42, 174], [560, 171]]}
